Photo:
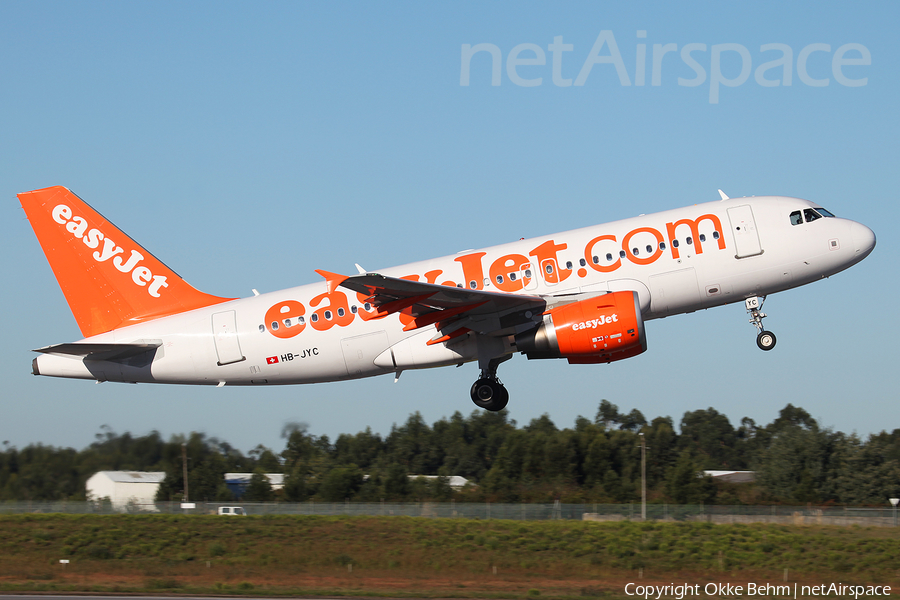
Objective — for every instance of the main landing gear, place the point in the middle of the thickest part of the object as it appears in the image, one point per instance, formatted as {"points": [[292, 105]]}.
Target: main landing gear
{"points": [[766, 339], [488, 393]]}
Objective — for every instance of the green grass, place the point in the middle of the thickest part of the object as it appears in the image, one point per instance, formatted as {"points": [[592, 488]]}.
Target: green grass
{"points": [[338, 555]]}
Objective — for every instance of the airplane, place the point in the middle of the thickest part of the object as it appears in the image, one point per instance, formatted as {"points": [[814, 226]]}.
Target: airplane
{"points": [[582, 295]]}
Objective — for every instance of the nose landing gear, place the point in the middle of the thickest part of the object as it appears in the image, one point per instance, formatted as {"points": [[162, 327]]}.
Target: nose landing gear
{"points": [[488, 393], [766, 339]]}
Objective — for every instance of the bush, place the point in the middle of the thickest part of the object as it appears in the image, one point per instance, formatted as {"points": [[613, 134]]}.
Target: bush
{"points": [[99, 553], [217, 549], [163, 584]]}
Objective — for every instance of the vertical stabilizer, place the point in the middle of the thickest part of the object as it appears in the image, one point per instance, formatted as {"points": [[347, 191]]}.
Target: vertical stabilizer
{"points": [[108, 279]]}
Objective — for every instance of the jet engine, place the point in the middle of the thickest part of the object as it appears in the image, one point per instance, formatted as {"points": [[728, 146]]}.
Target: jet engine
{"points": [[601, 329]]}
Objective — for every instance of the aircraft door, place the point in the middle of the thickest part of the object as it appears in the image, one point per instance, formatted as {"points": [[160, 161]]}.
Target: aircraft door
{"points": [[228, 348], [743, 228]]}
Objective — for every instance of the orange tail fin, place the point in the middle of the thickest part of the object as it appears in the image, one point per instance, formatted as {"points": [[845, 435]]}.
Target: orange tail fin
{"points": [[108, 279]]}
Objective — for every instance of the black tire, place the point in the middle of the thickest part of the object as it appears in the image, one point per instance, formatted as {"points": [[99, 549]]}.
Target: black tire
{"points": [[502, 398], [766, 340], [489, 394]]}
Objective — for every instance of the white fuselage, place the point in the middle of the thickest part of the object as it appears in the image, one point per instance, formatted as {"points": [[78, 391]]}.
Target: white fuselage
{"points": [[677, 261]]}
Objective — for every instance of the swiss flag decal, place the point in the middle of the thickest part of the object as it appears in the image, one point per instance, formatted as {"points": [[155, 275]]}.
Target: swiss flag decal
{"points": [[271, 360]]}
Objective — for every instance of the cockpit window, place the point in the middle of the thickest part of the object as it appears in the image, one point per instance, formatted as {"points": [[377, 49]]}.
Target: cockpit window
{"points": [[796, 218], [824, 212], [810, 215]]}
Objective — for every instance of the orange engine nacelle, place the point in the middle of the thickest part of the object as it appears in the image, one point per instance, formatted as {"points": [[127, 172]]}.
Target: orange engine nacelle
{"points": [[597, 330]]}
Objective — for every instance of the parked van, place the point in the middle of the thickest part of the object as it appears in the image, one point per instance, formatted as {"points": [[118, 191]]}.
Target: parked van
{"points": [[237, 511]]}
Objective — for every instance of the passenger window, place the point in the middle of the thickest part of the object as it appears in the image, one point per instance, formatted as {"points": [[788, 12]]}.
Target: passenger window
{"points": [[621, 254], [274, 325], [702, 237], [635, 251], [367, 306], [474, 284], [512, 276], [499, 279], [810, 215], [287, 322], [569, 265], [689, 240], [262, 328], [327, 315], [674, 243], [582, 262], [549, 268], [596, 259], [796, 219], [301, 320], [527, 273], [715, 235], [353, 309], [662, 245], [341, 312], [608, 257], [314, 317], [649, 249]]}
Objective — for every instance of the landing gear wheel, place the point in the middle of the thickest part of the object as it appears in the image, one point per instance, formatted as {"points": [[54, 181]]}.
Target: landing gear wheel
{"points": [[765, 340], [489, 394]]}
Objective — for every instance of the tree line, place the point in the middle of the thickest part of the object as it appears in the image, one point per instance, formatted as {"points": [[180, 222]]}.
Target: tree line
{"points": [[795, 459]]}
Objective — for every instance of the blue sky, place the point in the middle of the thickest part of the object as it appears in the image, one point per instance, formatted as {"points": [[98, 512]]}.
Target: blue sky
{"points": [[247, 145]]}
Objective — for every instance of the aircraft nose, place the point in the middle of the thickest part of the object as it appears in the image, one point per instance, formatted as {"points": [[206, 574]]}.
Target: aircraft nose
{"points": [[863, 239]]}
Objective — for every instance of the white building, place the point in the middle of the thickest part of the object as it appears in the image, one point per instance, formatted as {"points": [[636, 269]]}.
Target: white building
{"points": [[124, 488]]}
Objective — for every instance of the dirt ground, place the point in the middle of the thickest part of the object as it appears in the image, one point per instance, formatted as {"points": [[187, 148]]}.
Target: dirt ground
{"points": [[406, 584]]}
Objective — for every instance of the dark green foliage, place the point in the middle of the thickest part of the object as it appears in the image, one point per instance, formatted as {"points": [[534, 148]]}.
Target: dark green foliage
{"points": [[709, 436], [684, 486], [259, 489], [607, 414], [597, 460], [341, 483], [396, 482], [208, 461]]}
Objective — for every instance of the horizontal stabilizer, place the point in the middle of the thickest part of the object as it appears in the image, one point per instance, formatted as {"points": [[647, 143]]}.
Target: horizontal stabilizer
{"points": [[101, 351]]}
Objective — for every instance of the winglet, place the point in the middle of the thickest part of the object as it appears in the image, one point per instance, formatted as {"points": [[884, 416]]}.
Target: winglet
{"points": [[724, 196], [332, 280]]}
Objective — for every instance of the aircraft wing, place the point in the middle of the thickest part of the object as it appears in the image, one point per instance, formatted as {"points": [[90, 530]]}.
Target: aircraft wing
{"points": [[453, 310]]}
